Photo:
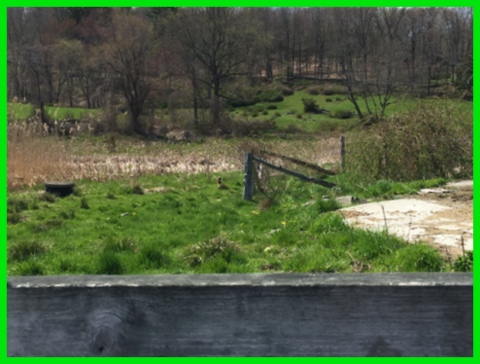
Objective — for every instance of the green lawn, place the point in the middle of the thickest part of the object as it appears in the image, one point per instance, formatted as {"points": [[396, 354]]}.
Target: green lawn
{"points": [[290, 111], [21, 112], [185, 224], [288, 114]]}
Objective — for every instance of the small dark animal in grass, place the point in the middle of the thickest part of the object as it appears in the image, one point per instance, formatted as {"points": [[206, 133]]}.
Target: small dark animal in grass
{"points": [[221, 185]]}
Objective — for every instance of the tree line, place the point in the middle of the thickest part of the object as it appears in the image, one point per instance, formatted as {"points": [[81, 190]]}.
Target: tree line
{"points": [[202, 57]]}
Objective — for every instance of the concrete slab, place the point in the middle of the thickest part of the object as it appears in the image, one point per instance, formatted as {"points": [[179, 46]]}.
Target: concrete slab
{"points": [[416, 220]]}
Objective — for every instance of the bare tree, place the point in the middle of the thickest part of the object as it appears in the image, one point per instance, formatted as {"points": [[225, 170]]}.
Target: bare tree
{"points": [[127, 54], [220, 41]]}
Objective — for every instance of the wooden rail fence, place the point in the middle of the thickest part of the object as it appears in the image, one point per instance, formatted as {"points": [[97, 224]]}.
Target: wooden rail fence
{"points": [[426, 314], [250, 174]]}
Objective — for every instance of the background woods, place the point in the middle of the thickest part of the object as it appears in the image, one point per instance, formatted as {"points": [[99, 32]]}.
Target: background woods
{"points": [[203, 58]]}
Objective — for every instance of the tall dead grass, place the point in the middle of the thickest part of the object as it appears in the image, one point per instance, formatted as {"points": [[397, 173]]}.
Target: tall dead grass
{"points": [[34, 156]]}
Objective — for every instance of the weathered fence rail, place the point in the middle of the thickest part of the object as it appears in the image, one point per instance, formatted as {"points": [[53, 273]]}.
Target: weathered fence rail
{"points": [[241, 315], [301, 163], [249, 178]]}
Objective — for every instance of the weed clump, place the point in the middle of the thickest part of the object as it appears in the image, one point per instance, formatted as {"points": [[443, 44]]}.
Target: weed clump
{"points": [[120, 245], [67, 266], [322, 206], [84, 203], [24, 250], [109, 263], [153, 257], [14, 218], [418, 258], [16, 204], [48, 197], [30, 268], [464, 263], [201, 253], [67, 215], [137, 189]]}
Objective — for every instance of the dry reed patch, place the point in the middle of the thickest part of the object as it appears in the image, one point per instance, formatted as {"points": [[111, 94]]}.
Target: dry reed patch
{"points": [[34, 157]]}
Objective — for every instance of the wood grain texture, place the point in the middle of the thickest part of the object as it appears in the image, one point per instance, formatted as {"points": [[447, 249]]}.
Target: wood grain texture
{"points": [[241, 315]]}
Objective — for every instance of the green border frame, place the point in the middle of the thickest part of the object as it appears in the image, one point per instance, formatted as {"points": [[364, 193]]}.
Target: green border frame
{"points": [[240, 3]]}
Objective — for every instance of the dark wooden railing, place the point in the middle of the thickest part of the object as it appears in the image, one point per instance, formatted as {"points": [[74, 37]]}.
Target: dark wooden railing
{"points": [[242, 315]]}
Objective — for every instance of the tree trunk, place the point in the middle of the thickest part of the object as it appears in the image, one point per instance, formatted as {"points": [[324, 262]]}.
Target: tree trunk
{"points": [[215, 107]]}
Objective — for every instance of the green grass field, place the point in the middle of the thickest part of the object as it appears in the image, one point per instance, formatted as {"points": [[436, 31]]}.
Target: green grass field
{"points": [[290, 111], [20, 112], [287, 113], [183, 223]]}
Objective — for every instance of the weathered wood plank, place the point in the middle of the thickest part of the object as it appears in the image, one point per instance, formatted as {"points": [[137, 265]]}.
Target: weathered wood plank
{"points": [[241, 315]]}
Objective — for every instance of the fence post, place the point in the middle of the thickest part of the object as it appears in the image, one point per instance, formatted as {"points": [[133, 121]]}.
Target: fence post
{"points": [[342, 151], [248, 183]]}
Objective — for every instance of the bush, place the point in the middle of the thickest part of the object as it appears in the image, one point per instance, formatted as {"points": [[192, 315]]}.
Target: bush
{"points": [[255, 127], [434, 140], [314, 91], [341, 114], [292, 129], [310, 106], [272, 107], [243, 102], [287, 92], [333, 90], [276, 98]]}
